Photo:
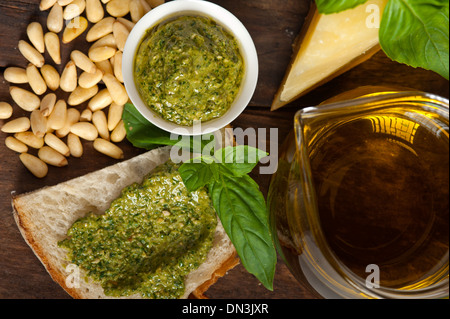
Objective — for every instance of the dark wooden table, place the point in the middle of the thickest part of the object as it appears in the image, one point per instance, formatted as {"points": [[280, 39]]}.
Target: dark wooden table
{"points": [[273, 25]]}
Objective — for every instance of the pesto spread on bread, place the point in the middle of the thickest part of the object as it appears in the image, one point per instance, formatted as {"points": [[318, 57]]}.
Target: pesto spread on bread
{"points": [[188, 69], [149, 239]]}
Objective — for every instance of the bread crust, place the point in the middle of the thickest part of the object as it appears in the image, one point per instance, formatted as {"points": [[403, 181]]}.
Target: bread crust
{"points": [[229, 264], [25, 227]]}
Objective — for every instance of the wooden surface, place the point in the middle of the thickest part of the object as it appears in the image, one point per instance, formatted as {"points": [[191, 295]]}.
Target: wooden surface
{"points": [[273, 26]]}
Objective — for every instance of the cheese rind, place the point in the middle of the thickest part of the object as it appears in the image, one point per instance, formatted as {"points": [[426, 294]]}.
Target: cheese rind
{"points": [[331, 45]]}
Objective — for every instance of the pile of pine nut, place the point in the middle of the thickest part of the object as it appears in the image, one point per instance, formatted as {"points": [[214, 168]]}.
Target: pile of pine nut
{"points": [[55, 128]]}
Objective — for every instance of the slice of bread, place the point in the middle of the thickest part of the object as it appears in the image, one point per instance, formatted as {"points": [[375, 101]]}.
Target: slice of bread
{"points": [[44, 216]]}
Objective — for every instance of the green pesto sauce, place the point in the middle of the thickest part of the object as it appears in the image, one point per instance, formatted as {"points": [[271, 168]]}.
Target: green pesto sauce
{"points": [[188, 69], [149, 239]]}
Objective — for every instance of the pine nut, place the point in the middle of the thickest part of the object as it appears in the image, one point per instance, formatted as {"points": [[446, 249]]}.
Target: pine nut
{"points": [[35, 165], [107, 40], [28, 138], [35, 79], [81, 95], [36, 35], [68, 81], [83, 62], [6, 110], [15, 145], [101, 53], [145, 5], [86, 115], [63, 3], [100, 29], [57, 144], [118, 8], [119, 133], [120, 34], [136, 10], [30, 53], [46, 4], [38, 123], [15, 75], [74, 9], [50, 156], [101, 123], [155, 3], [51, 77], [55, 20], [101, 100], [107, 148], [114, 115], [72, 117], [53, 46], [88, 80], [105, 66], [118, 66], [74, 29], [21, 124], [57, 118], [85, 130], [94, 11], [127, 23], [116, 89], [26, 100], [75, 145], [47, 104]]}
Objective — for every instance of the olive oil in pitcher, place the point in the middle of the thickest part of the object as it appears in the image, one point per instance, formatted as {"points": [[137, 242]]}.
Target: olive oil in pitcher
{"points": [[383, 196], [362, 192]]}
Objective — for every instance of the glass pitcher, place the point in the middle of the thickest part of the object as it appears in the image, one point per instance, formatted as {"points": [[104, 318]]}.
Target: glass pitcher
{"points": [[360, 201]]}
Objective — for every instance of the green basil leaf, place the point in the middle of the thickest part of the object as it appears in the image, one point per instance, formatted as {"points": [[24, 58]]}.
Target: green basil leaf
{"points": [[143, 134], [239, 160], [197, 175], [335, 6], [416, 32], [242, 210]]}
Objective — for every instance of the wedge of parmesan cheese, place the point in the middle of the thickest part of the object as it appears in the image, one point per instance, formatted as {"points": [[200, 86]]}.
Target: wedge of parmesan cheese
{"points": [[328, 46]]}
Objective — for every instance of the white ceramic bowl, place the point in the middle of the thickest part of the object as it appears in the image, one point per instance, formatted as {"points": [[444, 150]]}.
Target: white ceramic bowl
{"points": [[223, 18]]}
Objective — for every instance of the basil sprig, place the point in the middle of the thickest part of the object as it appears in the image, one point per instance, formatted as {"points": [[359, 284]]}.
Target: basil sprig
{"points": [[239, 203], [414, 32]]}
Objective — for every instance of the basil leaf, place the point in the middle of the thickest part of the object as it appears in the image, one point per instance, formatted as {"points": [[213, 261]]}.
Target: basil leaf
{"points": [[197, 175], [416, 32], [240, 160], [143, 134], [335, 6], [242, 210]]}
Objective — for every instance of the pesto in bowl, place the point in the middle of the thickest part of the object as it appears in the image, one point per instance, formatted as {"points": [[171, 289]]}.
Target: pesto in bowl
{"points": [[188, 69]]}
